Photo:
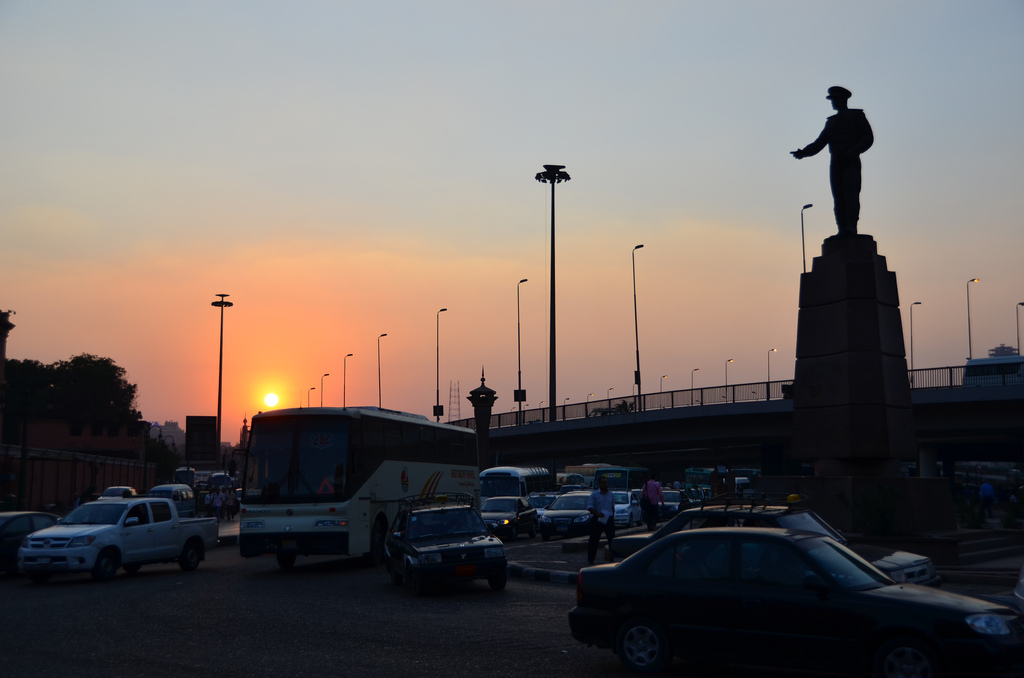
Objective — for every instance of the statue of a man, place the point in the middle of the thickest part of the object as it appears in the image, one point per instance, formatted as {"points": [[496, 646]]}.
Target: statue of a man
{"points": [[847, 134]]}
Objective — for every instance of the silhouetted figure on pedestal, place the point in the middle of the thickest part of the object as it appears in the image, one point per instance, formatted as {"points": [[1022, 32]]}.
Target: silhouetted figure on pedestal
{"points": [[847, 134]]}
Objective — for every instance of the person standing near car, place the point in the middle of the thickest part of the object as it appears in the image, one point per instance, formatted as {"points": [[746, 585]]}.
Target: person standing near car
{"points": [[601, 506], [650, 497]]}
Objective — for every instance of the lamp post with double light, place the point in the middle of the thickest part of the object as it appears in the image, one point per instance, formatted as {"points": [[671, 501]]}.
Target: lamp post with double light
{"points": [[344, 380], [970, 353], [380, 400], [438, 407], [552, 174], [520, 394], [636, 331]]}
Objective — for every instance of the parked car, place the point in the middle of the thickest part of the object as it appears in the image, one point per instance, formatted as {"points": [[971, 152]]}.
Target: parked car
{"points": [[14, 527], [118, 492], [627, 509], [508, 516], [541, 501], [899, 565], [102, 536], [566, 517], [182, 495], [786, 600], [673, 504], [441, 538]]}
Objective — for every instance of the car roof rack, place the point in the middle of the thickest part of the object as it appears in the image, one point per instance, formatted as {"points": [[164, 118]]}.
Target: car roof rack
{"points": [[439, 499]]}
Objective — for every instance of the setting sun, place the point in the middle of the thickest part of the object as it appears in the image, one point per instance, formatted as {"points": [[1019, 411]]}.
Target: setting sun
{"points": [[270, 400]]}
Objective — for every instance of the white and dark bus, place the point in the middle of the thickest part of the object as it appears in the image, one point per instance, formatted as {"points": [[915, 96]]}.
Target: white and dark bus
{"points": [[515, 481], [999, 371], [327, 481]]}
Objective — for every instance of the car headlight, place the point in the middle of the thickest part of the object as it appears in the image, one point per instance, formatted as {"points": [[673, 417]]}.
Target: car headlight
{"points": [[506, 521], [428, 558], [494, 552], [81, 541], [582, 519], [898, 575], [988, 624], [545, 519]]}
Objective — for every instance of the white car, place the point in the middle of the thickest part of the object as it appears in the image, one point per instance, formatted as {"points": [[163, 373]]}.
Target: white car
{"points": [[627, 509]]}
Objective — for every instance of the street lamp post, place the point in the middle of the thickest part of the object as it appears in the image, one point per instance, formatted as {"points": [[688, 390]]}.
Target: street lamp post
{"points": [[636, 332], [552, 174], [520, 394], [803, 248], [608, 395], [1017, 309], [322, 388], [694, 371], [916, 303], [220, 369], [727, 379], [970, 353], [344, 380], [768, 385], [379, 399], [311, 389], [661, 384], [438, 408]]}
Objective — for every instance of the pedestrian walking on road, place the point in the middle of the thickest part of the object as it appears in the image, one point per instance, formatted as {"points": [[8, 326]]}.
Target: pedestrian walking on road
{"points": [[650, 496], [988, 497], [602, 518]]}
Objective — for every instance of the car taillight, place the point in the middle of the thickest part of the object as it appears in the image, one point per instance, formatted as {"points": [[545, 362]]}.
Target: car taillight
{"points": [[579, 588]]}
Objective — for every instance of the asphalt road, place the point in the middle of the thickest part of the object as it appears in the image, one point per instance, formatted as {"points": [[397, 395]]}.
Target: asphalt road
{"points": [[327, 617]]}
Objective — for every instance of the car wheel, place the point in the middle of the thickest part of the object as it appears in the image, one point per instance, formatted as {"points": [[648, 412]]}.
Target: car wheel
{"points": [[643, 647], [377, 536], [39, 577], [514, 534], [414, 582], [190, 557], [286, 561], [906, 657], [132, 569], [498, 580], [533, 531], [106, 565]]}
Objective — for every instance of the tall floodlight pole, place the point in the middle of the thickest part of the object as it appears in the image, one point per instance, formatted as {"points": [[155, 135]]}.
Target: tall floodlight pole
{"points": [[552, 174], [220, 369], [438, 408], [344, 380], [970, 353], [636, 332], [322, 388], [520, 393], [379, 400], [803, 247], [916, 303]]}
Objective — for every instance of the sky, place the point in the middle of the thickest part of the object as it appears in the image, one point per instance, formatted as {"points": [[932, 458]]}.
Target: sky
{"points": [[344, 170]]}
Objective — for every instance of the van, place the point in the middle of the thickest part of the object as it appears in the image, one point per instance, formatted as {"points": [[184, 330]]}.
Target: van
{"points": [[182, 496], [999, 371]]}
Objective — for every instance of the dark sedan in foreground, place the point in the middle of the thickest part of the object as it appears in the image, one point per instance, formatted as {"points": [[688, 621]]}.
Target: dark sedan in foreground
{"points": [[789, 600]]}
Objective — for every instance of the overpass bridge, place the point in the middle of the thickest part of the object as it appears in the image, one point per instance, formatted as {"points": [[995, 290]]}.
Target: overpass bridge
{"points": [[750, 425]]}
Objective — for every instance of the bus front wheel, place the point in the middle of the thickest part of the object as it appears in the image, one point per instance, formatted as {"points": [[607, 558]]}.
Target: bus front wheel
{"points": [[377, 535]]}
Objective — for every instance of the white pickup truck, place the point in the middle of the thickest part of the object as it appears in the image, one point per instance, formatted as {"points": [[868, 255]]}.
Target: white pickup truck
{"points": [[101, 536]]}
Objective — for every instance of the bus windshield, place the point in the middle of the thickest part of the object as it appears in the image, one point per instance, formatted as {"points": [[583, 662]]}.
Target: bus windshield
{"points": [[499, 486], [298, 459]]}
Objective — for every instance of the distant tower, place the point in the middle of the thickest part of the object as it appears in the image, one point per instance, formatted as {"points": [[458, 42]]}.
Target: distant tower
{"points": [[453, 401]]}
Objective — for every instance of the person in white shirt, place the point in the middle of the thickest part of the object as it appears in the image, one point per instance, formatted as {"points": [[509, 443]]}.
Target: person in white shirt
{"points": [[602, 518]]}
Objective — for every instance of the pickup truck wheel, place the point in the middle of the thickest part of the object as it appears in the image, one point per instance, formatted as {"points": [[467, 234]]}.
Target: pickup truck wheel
{"points": [[39, 577], [190, 557], [106, 565], [286, 561], [132, 569]]}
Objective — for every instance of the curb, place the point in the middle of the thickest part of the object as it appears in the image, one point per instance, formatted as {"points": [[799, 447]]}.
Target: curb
{"points": [[555, 576]]}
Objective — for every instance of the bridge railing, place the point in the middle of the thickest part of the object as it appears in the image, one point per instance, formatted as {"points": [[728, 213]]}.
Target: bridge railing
{"points": [[928, 378]]}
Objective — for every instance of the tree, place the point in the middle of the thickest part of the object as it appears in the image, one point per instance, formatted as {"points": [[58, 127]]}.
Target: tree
{"points": [[82, 389]]}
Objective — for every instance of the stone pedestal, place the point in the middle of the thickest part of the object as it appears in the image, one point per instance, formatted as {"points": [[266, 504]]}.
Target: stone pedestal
{"points": [[851, 397]]}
